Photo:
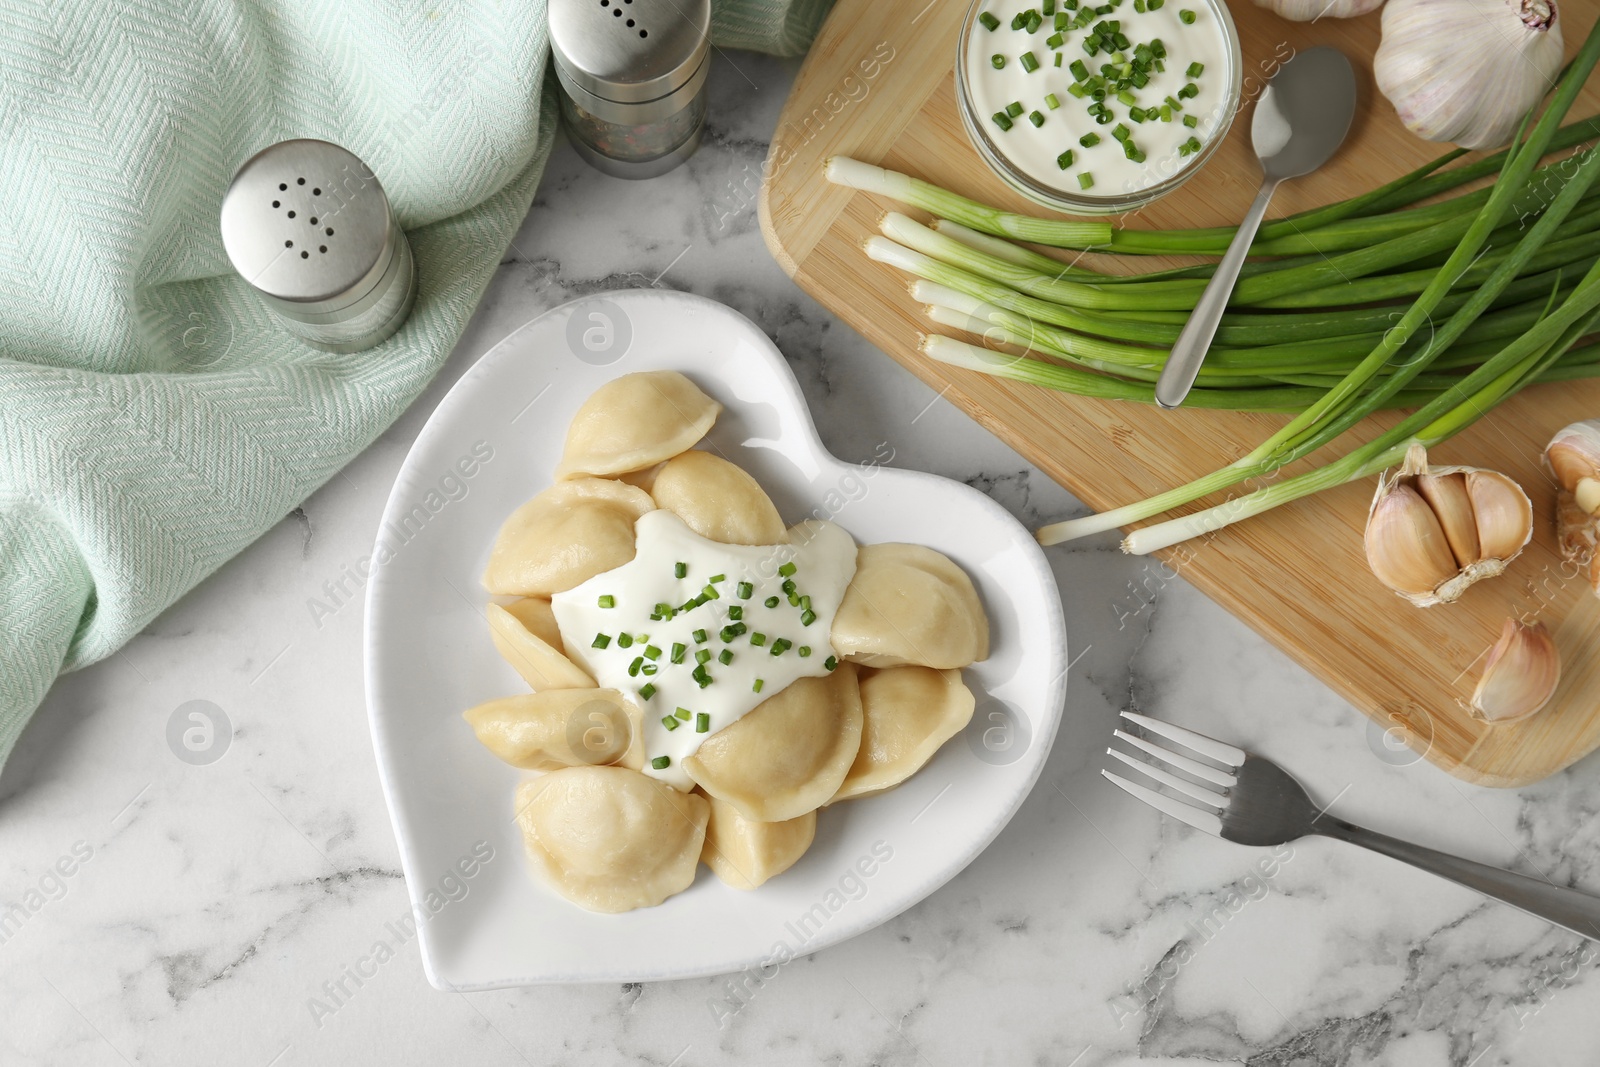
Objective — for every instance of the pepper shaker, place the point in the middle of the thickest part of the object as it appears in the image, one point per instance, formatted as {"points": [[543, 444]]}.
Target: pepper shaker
{"points": [[307, 224], [633, 80]]}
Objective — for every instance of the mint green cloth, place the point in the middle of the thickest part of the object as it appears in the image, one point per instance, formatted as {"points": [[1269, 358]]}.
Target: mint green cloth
{"points": [[154, 418]]}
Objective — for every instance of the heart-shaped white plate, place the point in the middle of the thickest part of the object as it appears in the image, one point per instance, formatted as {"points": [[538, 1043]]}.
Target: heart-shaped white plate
{"points": [[484, 921]]}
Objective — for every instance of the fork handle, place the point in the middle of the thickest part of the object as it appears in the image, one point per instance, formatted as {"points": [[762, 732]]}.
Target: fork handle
{"points": [[1567, 908]]}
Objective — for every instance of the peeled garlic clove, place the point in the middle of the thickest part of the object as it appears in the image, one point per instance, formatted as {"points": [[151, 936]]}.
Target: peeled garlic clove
{"points": [[1503, 512], [1520, 675], [1467, 70], [1312, 10], [1406, 546], [1447, 495]]}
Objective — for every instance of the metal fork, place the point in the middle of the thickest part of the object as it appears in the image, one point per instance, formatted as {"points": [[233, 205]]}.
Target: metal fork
{"points": [[1253, 801]]}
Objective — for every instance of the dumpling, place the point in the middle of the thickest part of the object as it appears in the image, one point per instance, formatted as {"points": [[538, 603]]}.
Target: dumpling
{"points": [[717, 500], [561, 728], [636, 421], [745, 854], [526, 634], [789, 754], [564, 536], [910, 604], [643, 479], [908, 712], [611, 839]]}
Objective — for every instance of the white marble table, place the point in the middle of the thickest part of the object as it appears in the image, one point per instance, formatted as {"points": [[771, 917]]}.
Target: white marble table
{"points": [[220, 906]]}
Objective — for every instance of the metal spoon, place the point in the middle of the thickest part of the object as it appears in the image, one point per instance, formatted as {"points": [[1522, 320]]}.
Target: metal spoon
{"points": [[1300, 121]]}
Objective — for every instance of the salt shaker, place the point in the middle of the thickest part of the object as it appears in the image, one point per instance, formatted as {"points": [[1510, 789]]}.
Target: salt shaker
{"points": [[307, 224], [633, 80]]}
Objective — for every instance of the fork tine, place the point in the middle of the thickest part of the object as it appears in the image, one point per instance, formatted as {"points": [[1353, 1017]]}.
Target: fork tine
{"points": [[1206, 746], [1182, 785], [1200, 820], [1183, 763]]}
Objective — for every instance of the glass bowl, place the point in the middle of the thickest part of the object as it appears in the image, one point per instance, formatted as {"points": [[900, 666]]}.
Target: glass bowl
{"points": [[1110, 201]]}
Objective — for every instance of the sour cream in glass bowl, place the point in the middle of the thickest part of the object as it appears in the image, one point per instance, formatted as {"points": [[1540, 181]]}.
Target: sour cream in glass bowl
{"points": [[1098, 108]]}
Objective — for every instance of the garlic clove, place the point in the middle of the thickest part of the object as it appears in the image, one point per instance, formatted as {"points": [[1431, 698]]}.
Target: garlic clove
{"points": [[1313, 10], [1520, 675], [1447, 495], [1573, 456], [1406, 546], [1503, 512]]}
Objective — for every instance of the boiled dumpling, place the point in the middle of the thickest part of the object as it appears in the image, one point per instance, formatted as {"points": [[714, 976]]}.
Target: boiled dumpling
{"points": [[611, 839], [717, 500], [789, 754], [908, 712], [909, 604], [564, 536], [526, 634], [643, 479], [636, 421], [744, 853], [558, 728]]}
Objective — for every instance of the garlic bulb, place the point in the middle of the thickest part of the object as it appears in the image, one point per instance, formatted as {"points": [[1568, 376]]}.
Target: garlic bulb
{"points": [[1520, 675], [1433, 531], [1467, 71], [1573, 456], [1311, 10]]}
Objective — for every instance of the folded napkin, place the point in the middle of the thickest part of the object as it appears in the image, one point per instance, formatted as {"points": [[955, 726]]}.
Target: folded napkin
{"points": [[154, 419]]}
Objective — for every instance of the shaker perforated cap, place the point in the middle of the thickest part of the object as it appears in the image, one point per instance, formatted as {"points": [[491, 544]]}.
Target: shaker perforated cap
{"points": [[629, 51], [307, 223]]}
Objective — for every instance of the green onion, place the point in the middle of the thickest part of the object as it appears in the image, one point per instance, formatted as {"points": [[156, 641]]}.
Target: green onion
{"points": [[647, 690], [807, 617], [735, 612], [702, 722], [648, 670], [600, 641], [683, 713], [758, 639], [1195, 70], [1002, 120], [990, 23], [680, 570], [725, 657], [652, 652], [678, 650], [670, 723], [1037, 118], [1191, 121], [607, 601], [1052, 101], [661, 763], [633, 668], [803, 651], [1089, 140], [1014, 108], [788, 569], [998, 61], [702, 656], [756, 688], [1064, 160], [1085, 181], [699, 637], [771, 602], [832, 663], [1055, 40], [1080, 70], [745, 589], [781, 645], [624, 640], [1058, 59], [710, 593]]}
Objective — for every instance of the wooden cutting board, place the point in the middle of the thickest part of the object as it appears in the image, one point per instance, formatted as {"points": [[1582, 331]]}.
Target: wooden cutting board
{"points": [[879, 86]]}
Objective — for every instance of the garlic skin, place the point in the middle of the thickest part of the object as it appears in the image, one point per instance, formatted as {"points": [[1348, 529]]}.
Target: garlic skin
{"points": [[1520, 675], [1467, 71], [1573, 456], [1312, 10], [1434, 531]]}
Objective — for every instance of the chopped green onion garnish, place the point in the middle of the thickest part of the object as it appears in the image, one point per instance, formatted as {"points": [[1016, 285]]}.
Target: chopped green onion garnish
{"points": [[990, 23], [702, 656], [1077, 90], [699, 637], [670, 723], [1195, 70], [1079, 70], [804, 651], [648, 669], [607, 601], [683, 713], [758, 639], [652, 652], [680, 570], [757, 687], [600, 641], [633, 668], [832, 663], [1064, 160], [702, 722], [1121, 133], [1089, 140], [1047, 8], [807, 617], [710, 593], [1186, 17], [1055, 40], [661, 763], [745, 589], [1173, 104], [781, 645], [624, 640], [1036, 118], [1191, 121], [1085, 181], [771, 602], [1166, 113], [1030, 62], [788, 569], [1018, 20], [725, 657], [678, 649], [731, 631], [1052, 101], [1058, 59], [1002, 120], [998, 60], [735, 612], [647, 690], [1014, 108]]}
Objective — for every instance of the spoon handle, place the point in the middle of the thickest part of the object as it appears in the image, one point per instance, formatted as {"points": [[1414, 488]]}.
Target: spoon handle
{"points": [[1189, 350]]}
